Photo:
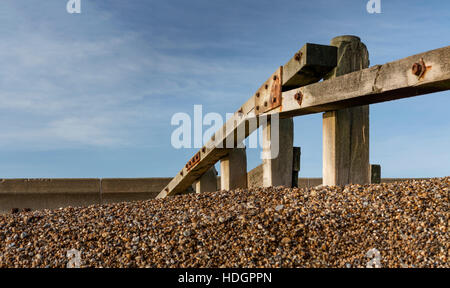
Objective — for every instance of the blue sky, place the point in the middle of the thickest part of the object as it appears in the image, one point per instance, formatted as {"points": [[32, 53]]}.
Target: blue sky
{"points": [[92, 95]]}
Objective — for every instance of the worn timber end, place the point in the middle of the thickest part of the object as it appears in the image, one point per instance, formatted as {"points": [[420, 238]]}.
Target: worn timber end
{"points": [[310, 64]]}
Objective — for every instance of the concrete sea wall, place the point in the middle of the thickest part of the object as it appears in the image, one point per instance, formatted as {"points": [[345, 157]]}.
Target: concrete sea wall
{"points": [[37, 194]]}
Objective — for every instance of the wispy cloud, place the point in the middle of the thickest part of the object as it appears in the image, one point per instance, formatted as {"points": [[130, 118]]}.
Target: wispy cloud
{"points": [[112, 77], [75, 91]]}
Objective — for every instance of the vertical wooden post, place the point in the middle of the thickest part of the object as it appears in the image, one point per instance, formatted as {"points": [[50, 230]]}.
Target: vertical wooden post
{"points": [[233, 170], [346, 131], [297, 152], [278, 171], [208, 182], [375, 174]]}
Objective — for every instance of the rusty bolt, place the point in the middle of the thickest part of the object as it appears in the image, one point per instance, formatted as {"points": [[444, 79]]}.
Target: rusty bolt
{"points": [[181, 173], [299, 97], [417, 69], [298, 56], [274, 100], [257, 95], [265, 103], [267, 86], [275, 77], [257, 108], [203, 149]]}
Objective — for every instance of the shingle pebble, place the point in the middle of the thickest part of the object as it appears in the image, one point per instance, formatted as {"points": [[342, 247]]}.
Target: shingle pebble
{"points": [[406, 222], [279, 208]]}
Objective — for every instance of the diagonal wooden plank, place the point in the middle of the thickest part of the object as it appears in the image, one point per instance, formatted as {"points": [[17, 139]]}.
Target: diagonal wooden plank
{"points": [[308, 65]]}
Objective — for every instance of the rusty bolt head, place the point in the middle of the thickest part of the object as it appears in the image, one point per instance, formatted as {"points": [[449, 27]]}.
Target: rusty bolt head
{"points": [[417, 69], [257, 95], [299, 97], [265, 104], [257, 108], [267, 86], [275, 77], [298, 56]]}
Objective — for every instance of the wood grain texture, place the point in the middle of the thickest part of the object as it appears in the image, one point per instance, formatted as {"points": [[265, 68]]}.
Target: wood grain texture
{"points": [[346, 131], [376, 84]]}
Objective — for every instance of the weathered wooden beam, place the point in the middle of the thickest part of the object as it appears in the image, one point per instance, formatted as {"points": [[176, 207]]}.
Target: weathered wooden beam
{"points": [[345, 134], [315, 62], [233, 170], [375, 174], [377, 84], [207, 182], [381, 83], [278, 152], [185, 178], [297, 152], [309, 65]]}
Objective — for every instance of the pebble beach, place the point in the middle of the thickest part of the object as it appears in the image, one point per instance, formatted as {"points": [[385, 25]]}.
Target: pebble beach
{"points": [[395, 225]]}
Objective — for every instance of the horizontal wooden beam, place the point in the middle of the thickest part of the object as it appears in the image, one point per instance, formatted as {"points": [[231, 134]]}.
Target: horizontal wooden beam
{"points": [[377, 84], [308, 65]]}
